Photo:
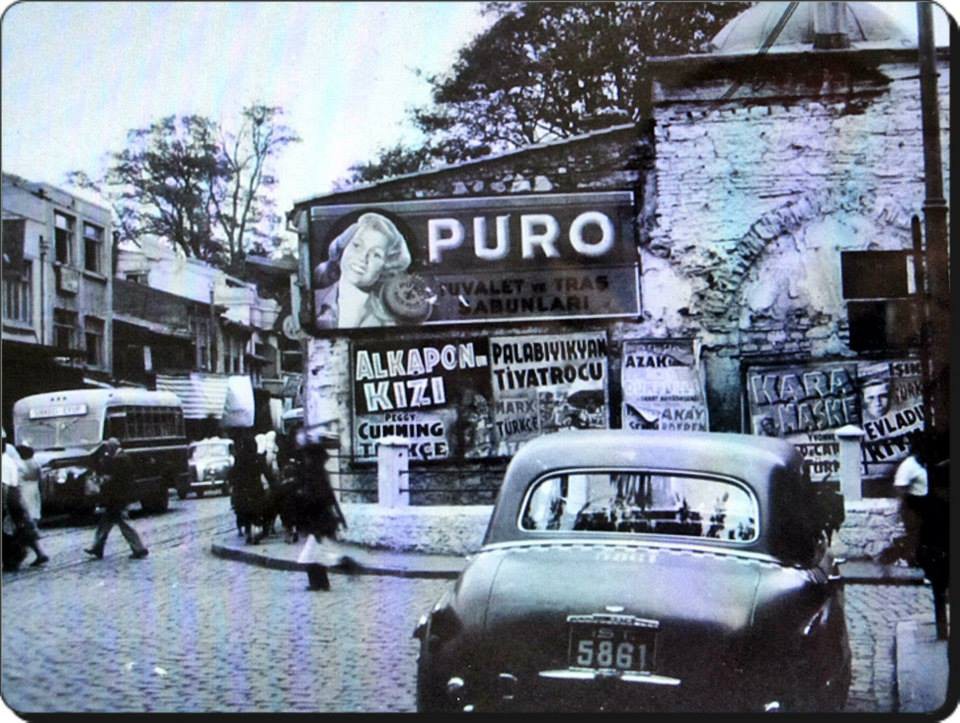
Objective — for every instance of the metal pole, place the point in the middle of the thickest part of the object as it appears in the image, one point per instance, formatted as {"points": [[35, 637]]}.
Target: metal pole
{"points": [[935, 222]]}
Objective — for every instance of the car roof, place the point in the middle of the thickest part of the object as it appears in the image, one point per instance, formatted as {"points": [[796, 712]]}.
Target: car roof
{"points": [[759, 461]]}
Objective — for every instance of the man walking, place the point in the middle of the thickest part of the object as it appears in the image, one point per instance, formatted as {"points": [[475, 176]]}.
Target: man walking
{"points": [[116, 471]]}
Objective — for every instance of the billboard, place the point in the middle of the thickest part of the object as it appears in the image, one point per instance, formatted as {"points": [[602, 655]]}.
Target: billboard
{"points": [[545, 383], [891, 411], [435, 395], [662, 386], [476, 398], [807, 404], [466, 260]]}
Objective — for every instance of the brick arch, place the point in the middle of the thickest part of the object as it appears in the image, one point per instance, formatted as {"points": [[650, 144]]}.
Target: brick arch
{"points": [[724, 281]]}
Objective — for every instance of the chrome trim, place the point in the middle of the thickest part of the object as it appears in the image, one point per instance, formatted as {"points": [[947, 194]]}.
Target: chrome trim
{"points": [[612, 619], [626, 676], [638, 544]]}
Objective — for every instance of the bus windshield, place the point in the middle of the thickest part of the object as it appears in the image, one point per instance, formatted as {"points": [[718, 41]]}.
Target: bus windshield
{"points": [[60, 432]]}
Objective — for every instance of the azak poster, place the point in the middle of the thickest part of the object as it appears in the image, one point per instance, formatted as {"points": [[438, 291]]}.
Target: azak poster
{"points": [[476, 398], [662, 386]]}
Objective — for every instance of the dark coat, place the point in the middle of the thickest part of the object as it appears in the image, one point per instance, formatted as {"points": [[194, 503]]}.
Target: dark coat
{"points": [[248, 497], [317, 510], [117, 480]]}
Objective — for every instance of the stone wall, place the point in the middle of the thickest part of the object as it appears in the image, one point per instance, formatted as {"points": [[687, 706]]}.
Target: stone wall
{"points": [[757, 196], [743, 209], [869, 527]]}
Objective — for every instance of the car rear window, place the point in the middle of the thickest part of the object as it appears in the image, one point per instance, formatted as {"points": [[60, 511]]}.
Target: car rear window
{"points": [[649, 502]]}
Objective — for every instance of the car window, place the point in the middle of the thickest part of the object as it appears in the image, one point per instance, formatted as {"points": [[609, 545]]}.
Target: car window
{"points": [[205, 451], [660, 503]]}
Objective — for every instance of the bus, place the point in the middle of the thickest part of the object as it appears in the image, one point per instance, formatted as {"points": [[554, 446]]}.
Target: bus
{"points": [[65, 427]]}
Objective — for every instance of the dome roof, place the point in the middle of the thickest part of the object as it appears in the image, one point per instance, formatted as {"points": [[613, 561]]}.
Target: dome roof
{"points": [[867, 26]]}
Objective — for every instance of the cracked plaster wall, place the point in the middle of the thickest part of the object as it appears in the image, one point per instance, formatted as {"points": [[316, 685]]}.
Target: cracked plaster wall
{"points": [[756, 200]]}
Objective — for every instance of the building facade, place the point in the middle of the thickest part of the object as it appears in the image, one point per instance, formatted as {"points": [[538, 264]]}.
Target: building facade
{"points": [[767, 231], [57, 290]]}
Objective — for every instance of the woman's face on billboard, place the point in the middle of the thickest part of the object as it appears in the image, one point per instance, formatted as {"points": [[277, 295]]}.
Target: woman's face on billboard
{"points": [[363, 258]]}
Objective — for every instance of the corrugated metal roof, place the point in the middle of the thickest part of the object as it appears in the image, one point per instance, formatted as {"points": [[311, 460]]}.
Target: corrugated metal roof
{"points": [[202, 395]]}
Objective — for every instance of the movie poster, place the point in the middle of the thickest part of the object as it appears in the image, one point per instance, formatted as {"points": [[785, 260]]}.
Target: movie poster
{"points": [[434, 395], [891, 410], [806, 405], [662, 386], [545, 383]]}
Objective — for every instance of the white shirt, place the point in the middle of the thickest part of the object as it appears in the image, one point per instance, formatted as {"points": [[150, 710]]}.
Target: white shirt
{"points": [[11, 471], [911, 475]]}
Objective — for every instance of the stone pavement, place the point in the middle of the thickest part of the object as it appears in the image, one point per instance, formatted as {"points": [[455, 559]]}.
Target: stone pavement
{"points": [[923, 668], [898, 665]]}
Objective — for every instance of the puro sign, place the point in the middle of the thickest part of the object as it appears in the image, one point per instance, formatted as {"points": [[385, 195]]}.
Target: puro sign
{"points": [[450, 261]]}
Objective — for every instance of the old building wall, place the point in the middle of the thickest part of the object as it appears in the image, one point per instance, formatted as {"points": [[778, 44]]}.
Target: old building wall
{"points": [[742, 211], [757, 197]]}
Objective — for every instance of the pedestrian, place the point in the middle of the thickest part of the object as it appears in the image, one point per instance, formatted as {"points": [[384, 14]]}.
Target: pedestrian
{"points": [[248, 496], [14, 548], [910, 481], [30, 494], [318, 513], [116, 473]]}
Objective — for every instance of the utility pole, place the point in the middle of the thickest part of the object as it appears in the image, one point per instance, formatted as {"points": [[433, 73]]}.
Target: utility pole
{"points": [[935, 226]]}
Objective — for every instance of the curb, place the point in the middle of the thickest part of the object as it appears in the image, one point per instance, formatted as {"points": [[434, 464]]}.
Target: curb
{"points": [[340, 564], [922, 668]]}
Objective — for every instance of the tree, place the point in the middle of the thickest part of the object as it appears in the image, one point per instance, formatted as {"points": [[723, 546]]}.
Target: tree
{"points": [[393, 161], [243, 211], [200, 188], [545, 71]]}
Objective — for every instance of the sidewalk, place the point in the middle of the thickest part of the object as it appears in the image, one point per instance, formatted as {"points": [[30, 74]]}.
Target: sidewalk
{"points": [[923, 667], [274, 553]]}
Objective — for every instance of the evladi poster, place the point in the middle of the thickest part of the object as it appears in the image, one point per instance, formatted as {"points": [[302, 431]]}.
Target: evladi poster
{"points": [[662, 386]]}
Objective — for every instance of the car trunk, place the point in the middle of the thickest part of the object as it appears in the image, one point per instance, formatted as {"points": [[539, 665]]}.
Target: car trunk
{"points": [[697, 608]]}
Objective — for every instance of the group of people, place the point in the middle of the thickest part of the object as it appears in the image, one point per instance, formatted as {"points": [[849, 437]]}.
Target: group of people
{"points": [[293, 487], [21, 506], [21, 502]]}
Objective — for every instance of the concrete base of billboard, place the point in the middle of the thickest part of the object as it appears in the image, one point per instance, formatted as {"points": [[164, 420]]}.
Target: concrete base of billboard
{"points": [[434, 529], [869, 527]]}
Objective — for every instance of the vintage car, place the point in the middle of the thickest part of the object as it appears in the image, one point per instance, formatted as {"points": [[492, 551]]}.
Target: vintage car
{"points": [[645, 571], [211, 460]]}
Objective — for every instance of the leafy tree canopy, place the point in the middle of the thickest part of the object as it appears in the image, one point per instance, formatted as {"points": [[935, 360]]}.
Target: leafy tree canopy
{"points": [[200, 187], [545, 71]]}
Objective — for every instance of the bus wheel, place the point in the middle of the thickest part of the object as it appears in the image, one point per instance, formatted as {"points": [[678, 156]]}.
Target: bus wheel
{"points": [[181, 493]]}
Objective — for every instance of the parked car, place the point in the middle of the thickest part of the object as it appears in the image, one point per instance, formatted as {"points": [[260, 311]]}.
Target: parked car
{"points": [[211, 460], [645, 571]]}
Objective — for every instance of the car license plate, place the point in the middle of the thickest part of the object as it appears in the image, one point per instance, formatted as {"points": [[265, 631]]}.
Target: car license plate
{"points": [[612, 642]]}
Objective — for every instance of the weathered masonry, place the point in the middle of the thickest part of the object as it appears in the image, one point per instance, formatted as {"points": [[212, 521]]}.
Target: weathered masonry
{"points": [[742, 261]]}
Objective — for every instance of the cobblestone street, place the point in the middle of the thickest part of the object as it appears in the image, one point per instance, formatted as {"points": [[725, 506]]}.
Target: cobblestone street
{"points": [[185, 631]]}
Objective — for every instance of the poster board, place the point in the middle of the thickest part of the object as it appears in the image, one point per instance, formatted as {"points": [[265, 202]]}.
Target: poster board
{"points": [[469, 260], [663, 386], [476, 398]]}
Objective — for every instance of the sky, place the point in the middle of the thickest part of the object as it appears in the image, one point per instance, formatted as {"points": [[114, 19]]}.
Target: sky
{"points": [[75, 76]]}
